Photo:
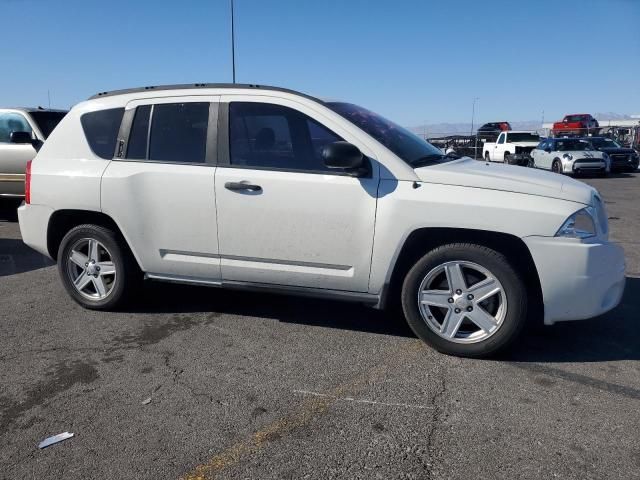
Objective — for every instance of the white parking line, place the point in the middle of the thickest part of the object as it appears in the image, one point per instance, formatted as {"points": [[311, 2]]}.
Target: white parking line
{"points": [[357, 400]]}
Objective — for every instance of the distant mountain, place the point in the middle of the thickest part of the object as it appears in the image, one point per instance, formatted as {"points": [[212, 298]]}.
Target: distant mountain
{"points": [[444, 129]]}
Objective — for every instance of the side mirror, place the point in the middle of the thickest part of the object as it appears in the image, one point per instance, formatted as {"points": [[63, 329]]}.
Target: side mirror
{"points": [[342, 155], [20, 137]]}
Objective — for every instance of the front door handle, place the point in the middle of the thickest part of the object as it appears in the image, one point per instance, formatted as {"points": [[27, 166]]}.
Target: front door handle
{"points": [[240, 186]]}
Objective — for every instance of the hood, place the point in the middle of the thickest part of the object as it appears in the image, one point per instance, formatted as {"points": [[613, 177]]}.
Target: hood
{"points": [[610, 150], [467, 172], [580, 153]]}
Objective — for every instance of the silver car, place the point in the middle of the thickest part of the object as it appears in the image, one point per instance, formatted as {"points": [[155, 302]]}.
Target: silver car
{"points": [[22, 132], [570, 155]]}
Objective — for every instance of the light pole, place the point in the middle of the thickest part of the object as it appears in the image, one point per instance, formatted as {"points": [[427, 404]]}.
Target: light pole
{"points": [[473, 112], [233, 46], [473, 115]]}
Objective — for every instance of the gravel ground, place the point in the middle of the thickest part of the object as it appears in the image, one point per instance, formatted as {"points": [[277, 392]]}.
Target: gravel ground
{"points": [[201, 383]]}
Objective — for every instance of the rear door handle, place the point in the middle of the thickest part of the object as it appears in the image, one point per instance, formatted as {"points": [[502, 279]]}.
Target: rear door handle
{"points": [[240, 186]]}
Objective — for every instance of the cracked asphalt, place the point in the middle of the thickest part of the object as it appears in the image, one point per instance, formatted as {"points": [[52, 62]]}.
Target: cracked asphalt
{"points": [[198, 383]]}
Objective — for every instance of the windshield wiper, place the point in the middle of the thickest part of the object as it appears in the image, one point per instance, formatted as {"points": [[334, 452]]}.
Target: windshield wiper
{"points": [[434, 159]]}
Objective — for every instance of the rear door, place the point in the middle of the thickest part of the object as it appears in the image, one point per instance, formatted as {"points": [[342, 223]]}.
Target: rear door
{"points": [[160, 187], [295, 222]]}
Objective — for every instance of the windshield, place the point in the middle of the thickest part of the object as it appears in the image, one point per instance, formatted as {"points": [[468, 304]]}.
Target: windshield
{"points": [[576, 118], [405, 144], [47, 121], [572, 145], [523, 137], [604, 143]]}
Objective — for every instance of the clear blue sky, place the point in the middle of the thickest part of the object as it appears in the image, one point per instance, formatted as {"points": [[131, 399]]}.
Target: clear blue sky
{"points": [[413, 61]]}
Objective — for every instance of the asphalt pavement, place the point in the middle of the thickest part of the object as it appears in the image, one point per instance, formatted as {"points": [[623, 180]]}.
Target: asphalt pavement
{"points": [[201, 383]]}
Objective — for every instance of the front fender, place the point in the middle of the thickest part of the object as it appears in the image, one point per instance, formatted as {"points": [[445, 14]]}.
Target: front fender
{"points": [[404, 207]]}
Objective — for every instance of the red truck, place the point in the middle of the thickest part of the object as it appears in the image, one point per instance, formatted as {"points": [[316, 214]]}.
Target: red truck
{"points": [[581, 124]]}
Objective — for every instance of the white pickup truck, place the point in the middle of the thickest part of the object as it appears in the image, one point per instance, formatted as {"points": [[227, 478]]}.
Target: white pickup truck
{"points": [[511, 147]]}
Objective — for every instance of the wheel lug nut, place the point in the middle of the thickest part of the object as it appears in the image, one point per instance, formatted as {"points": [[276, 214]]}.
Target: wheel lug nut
{"points": [[458, 291], [470, 297], [457, 310], [450, 300], [469, 309]]}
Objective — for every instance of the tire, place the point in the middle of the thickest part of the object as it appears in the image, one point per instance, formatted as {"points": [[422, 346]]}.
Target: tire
{"points": [[556, 166], [101, 288], [486, 157], [508, 307], [507, 158]]}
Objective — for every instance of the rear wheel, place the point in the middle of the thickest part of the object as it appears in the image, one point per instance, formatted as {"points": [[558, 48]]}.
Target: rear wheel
{"points": [[556, 166], [96, 267], [507, 157], [465, 299], [486, 157]]}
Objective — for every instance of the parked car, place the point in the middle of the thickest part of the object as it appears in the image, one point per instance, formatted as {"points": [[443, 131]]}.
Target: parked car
{"points": [[261, 188], [22, 132], [621, 158], [570, 155], [490, 131], [511, 147], [576, 124]]}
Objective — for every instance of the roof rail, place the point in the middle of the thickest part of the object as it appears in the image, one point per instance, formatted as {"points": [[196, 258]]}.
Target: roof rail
{"points": [[188, 86]]}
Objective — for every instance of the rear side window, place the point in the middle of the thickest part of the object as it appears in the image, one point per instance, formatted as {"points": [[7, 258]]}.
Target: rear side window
{"points": [[101, 129], [179, 132]]}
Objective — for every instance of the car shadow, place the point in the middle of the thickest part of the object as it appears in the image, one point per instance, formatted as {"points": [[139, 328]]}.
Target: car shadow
{"points": [[610, 337], [16, 257], [9, 210]]}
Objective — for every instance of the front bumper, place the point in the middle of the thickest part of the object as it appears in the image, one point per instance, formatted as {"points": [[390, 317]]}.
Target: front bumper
{"points": [[579, 280], [34, 222]]}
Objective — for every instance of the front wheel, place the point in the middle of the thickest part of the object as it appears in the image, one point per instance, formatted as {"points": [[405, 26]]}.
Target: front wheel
{"points": [[96, 267], [465, 300]]}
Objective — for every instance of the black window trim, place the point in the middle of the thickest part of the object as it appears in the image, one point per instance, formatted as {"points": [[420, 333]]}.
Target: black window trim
{"points": [[122, 144], [224, 156]]}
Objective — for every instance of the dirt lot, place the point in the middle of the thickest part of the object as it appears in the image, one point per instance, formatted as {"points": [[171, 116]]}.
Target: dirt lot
{"points": [[258, 386]]}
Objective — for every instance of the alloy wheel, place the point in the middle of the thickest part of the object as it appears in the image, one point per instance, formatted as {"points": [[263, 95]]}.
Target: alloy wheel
{"points": [[90, 269], [462, 302]]}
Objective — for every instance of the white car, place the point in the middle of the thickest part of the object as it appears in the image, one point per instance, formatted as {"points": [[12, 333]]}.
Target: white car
{"points": [[511, 147], [262, 188], [571, 156]]}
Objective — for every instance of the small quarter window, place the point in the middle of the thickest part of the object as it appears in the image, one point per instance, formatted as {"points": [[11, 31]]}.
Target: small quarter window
{"points": [[137, 149], [101, 130], [179, 132]]}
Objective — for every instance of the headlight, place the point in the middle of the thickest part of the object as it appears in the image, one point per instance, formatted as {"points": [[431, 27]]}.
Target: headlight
{"points": [[567, 156], [579, 225]]}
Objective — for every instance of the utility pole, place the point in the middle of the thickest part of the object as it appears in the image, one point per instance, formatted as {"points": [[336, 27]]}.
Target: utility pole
{"points": [[473, 114], [233, 45], [49, 98]]}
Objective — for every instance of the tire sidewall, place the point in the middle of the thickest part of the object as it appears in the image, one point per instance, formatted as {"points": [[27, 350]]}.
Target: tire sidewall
{"points": [[110, 241], [498, 265]]}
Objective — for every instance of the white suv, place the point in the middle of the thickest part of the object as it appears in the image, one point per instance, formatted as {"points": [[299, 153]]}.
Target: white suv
{"points": [[243, 186]]}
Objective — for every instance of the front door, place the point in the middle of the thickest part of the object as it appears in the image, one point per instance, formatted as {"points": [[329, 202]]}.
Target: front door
{"points": [[13, 156], [283, 217]]}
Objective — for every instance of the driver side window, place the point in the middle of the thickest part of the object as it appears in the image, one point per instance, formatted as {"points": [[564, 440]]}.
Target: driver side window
{"points": [[270, 136], [501, 138], [12, 122]]}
